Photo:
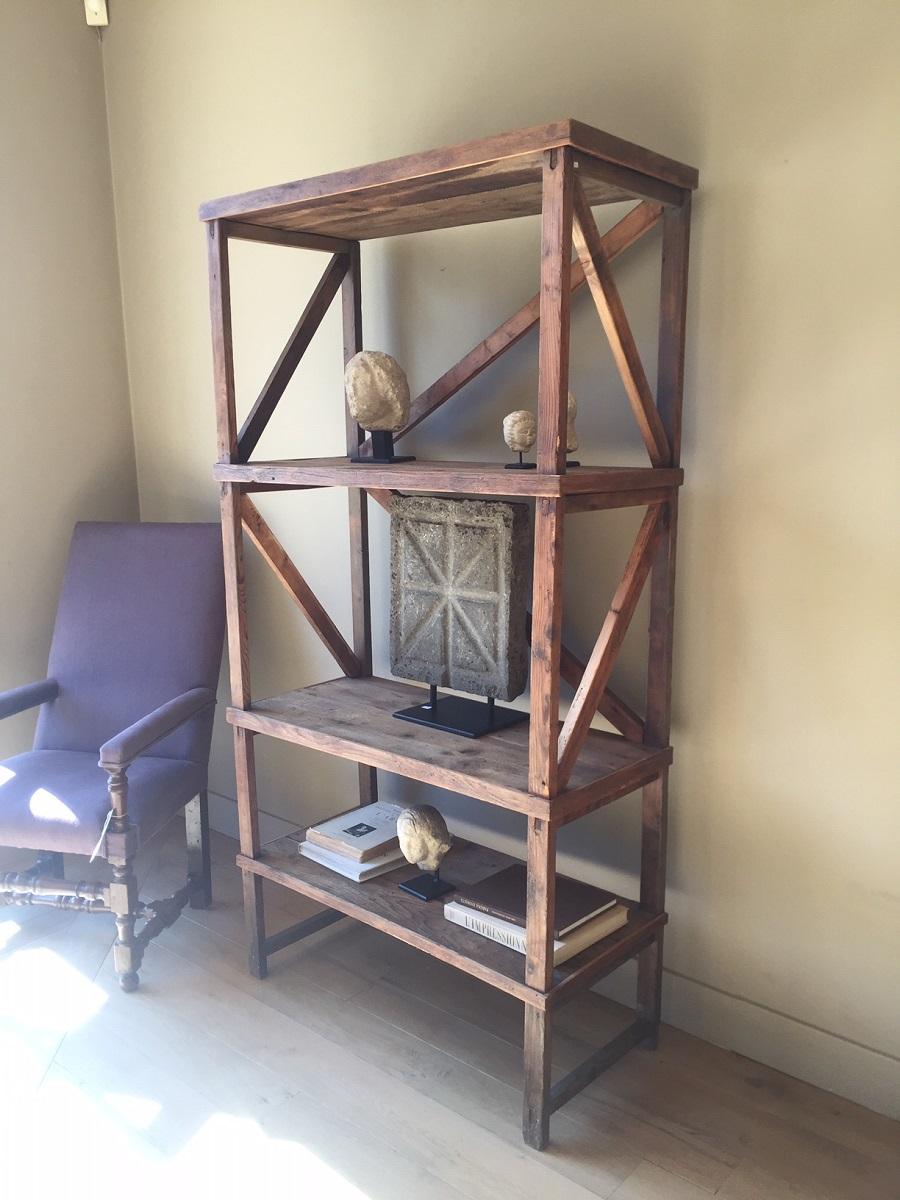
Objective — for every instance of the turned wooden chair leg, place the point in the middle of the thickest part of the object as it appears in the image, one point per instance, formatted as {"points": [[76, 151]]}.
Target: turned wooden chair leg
{"points": [[121, 846], [126, 951], [196, 828]]}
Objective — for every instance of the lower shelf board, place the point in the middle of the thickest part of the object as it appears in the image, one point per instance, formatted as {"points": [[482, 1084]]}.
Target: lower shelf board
{"points": [[380, 903]]}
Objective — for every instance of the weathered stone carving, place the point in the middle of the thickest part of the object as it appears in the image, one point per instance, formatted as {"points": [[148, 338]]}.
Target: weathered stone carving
{"points": [[377, 391], [571, 431], [520, 430], [424, 837], [459, 588]]}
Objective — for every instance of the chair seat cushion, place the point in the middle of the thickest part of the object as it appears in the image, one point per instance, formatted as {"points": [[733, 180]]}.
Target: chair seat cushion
{"points": [[57, 799]]}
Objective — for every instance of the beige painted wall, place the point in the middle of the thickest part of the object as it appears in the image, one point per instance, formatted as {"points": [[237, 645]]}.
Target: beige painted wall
{"points": [[785, 829], [67, 440]]}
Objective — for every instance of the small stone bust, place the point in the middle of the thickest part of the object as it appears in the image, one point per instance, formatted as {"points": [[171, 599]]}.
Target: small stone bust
{"points": [[520, 430], [571, 432], [377, 391], [424, 837]]}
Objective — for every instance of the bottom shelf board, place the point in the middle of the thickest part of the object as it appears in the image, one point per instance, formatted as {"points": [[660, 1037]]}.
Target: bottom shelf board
{"points": [[380, 903]]}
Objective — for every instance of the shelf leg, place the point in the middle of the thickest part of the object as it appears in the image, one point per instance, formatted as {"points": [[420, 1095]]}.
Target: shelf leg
{"points": [[649, 989], [538, 974], [653, 896], [536, 1106], [248, 826], [255, 924], [351, 306]]}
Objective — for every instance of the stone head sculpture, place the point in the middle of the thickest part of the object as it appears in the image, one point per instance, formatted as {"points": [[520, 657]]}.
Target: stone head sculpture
{"points": [[424, 840], [377, 391], [520, 434], [571, 431]]}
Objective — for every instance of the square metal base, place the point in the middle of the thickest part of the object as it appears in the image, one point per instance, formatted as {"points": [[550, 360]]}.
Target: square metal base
{"points": [[426, 887], [467, 718], [395, 458], [522, 466]]}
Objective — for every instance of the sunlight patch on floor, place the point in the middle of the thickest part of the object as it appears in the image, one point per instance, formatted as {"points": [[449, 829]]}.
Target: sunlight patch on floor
{"points": [[8, 930], [238, 1152], [138, 1112], [94, 1142], [39, 990]]}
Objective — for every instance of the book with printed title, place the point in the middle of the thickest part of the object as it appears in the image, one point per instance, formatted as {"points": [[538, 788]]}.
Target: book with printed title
{"points": [[513, 936], [504, 895], [360, 833]]}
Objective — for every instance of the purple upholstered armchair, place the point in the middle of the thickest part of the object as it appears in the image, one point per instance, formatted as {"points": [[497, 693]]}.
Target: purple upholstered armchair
{"points": [[132, 683]]}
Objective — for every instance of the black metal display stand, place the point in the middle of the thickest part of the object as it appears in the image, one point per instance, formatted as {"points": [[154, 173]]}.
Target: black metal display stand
{"points": [[456, 714], [382, 450], [427, 886]]}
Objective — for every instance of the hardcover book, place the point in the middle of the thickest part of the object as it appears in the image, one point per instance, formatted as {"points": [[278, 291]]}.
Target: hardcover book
{"points": [[504, 895], [360, 833], [359, 872], [512, 936]]}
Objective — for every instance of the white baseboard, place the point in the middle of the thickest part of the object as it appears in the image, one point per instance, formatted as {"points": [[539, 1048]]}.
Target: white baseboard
{"points": [[223, 818], [817, 1056]]}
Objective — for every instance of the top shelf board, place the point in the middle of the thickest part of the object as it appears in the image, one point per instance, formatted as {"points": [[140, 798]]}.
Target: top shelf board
{"points": [[462, 478], [491, 179]]}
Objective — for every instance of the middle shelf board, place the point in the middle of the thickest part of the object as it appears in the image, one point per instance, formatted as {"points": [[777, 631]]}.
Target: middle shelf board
{"points": [[380, 903], [353, 718], [474, 478]]}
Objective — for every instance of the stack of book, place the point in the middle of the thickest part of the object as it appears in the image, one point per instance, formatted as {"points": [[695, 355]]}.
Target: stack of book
{"points": [[359, 844], [495, 908]]}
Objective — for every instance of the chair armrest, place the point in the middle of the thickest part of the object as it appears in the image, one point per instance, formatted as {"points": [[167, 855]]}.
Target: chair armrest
{"points": [[122, 749], [30, 695]]}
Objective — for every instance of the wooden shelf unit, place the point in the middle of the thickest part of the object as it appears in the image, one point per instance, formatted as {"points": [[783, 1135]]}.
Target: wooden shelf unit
{"points": [[550, 771]]}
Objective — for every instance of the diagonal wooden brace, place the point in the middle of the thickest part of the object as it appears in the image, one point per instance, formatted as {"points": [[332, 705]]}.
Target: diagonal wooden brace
{"points": [[603, 657], [295, 348], [622, 235], [297, 587], [595, 262], [619, 714]]}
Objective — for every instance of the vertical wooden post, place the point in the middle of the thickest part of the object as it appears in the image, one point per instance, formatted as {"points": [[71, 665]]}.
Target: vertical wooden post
{"points": [[553, 384], [536, 1103], [235, 592], [351, 302], [670, 388], [248, 830], [223, 356], [541, 903], [555, 301], [539, 926], [244, 760], [654, 807]]}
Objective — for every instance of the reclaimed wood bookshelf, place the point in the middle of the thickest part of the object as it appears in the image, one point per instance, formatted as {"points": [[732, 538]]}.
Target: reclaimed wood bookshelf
{"points": [[551, 771]]}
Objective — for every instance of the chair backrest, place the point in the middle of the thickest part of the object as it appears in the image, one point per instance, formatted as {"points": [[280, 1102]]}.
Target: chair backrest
{"points": [[141, 619]]}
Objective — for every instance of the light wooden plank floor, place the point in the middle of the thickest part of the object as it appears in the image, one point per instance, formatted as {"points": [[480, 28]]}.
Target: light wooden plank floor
{"points": [[362, 1070]]}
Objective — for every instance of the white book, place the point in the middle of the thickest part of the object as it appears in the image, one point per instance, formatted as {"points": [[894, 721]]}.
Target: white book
{"points": [[350, 869], [361, 833], [513, 936]]}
